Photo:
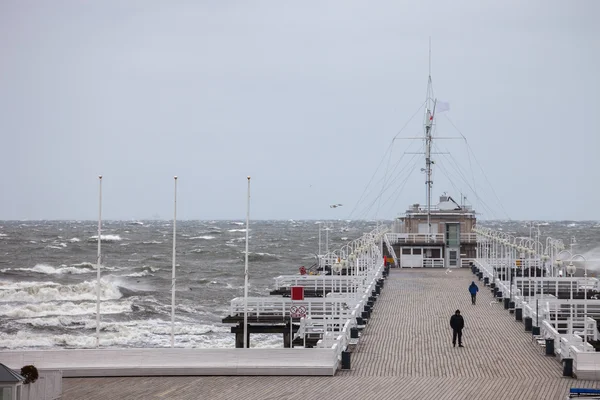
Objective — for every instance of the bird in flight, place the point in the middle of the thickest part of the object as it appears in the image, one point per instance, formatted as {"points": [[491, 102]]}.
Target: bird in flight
{"points": [[335, 205]]}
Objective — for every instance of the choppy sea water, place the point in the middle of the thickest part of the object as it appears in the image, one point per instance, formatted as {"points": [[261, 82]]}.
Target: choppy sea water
{"points": [[48, 276]]}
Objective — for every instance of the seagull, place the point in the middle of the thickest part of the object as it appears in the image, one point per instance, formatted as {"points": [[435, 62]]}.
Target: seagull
{"points": [[448, 270], [335, 205]]}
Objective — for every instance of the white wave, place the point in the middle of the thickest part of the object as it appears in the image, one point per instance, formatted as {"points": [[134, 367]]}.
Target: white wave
{"points": [[206, 237], [150, 333], [84, 264], [196, 251], [107, 238], [237, 223], [236, 230], [152, 242], [38, 310], [22, 285], [138, 274], [43, 292], [50, 270], [74, 240], [54, 247], [146, 334]]}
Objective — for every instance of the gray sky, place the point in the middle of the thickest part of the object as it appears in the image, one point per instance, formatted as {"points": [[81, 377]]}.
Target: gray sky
{"points": [[303, 96]]}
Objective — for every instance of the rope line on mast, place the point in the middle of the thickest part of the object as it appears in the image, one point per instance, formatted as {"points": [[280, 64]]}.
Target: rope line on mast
{"points": [[480, 167], [389, 149]]}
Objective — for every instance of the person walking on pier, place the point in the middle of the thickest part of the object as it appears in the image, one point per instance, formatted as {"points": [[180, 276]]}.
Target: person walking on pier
{"points": [[473, 289], [457, 323]]}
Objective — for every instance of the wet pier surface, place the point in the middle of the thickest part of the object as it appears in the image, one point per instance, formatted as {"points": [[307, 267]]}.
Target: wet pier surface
{"points": [[405, 352]]}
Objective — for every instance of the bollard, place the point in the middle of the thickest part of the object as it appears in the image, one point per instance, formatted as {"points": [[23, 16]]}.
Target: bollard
{"points": [[499, 294], [353, 333], [365, 316], [528, 324], [494, 290], [486, 281], [535, 331], [511, 305], [359, 321], [345, 360], [567, 367], [506, 302], [550, 347], [377, 289], [519, 314]]}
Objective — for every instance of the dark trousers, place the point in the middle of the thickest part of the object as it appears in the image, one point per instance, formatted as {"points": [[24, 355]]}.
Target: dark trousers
{"points": [[455, 333], [473, 296]]}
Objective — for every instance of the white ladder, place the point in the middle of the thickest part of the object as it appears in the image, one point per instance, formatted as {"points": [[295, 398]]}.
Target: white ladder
{"points": [[390, 249]]}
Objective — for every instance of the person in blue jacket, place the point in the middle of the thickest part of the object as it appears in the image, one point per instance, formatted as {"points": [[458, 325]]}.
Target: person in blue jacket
{"points": [[473, 289]]}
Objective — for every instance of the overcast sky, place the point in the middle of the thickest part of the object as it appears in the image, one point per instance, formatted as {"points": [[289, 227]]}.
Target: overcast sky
{"points": [[303, 96]]}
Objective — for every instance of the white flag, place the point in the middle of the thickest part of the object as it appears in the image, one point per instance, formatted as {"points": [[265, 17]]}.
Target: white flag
{"points": [[441, 106]]}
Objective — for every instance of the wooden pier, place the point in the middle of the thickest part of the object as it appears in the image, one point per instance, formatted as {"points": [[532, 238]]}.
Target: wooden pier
{"points": [[405, 352]]}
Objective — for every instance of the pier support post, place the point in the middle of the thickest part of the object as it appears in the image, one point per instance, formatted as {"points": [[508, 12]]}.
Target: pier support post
{"points": [[519, 314], [286, 339], [528, 324], [506, 303], [239, 337], [345, 360], [567, 367], [550, 347]]}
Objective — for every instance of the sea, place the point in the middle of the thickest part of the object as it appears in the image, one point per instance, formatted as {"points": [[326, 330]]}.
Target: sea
{"points": [[48, 275]]}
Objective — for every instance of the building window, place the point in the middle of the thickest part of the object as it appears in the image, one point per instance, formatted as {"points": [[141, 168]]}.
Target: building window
{"points": [[416, 251], [406, 250]]}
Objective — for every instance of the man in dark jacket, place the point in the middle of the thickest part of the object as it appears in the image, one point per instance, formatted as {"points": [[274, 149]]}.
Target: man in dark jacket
{"points": [[457, 323], [473, 289]]}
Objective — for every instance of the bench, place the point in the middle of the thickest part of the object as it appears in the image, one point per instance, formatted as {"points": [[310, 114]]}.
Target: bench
{"points": [[584, 393]]}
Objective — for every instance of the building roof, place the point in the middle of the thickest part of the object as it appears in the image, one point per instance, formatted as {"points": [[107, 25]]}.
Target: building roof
{"points": [[8, 375]]}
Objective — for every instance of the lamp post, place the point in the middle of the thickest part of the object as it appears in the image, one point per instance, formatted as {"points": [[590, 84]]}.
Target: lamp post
{"points": [[583, 259], [559, 262]]}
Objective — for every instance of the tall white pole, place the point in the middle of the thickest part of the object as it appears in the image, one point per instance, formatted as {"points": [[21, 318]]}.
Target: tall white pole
{"points": [[173, 268], [98, 260], [246, 270]]}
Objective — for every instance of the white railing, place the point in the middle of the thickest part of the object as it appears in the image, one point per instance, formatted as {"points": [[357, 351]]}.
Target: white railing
{"points": [[468, 237], [416, 238], [280, 306], [466, 262], [317, 282], [433, 263]]}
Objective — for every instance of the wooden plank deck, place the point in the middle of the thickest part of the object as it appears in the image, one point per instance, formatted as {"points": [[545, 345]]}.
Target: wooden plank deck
{"points": [[404, 353]]}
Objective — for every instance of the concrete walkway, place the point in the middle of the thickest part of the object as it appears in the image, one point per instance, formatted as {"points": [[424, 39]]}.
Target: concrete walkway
{"points": [[404, 353]]}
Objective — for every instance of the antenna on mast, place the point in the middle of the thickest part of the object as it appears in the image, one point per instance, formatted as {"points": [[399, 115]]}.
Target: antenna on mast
{"points": [[429, 57]]}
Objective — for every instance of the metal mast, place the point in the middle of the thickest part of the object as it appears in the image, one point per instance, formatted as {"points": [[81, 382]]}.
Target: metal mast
{"points": [[429, 114]]}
